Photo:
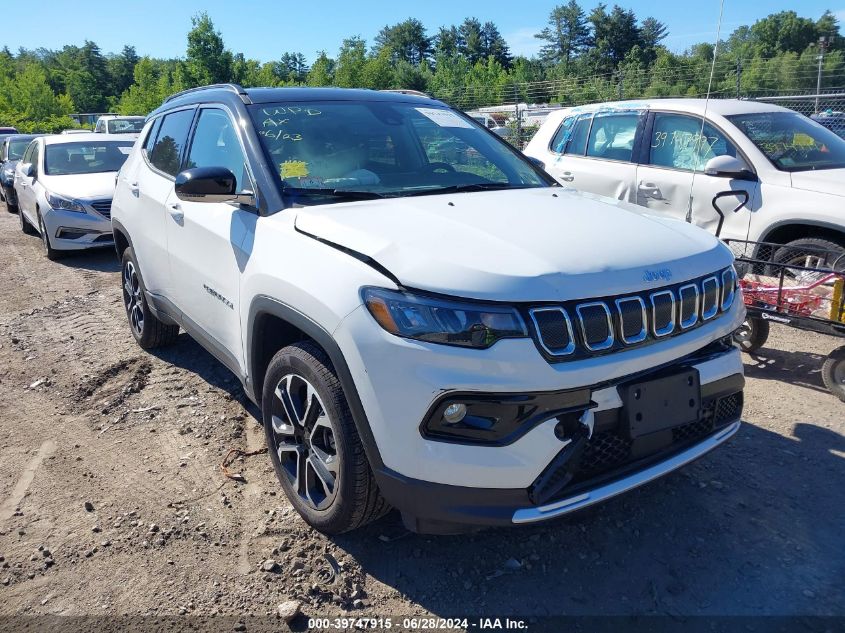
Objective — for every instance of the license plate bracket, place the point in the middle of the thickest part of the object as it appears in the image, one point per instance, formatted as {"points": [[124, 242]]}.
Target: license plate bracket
{"points": [[660, 403]]}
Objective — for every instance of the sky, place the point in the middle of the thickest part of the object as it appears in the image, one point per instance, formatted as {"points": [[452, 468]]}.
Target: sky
{"points": [[264, 29]]}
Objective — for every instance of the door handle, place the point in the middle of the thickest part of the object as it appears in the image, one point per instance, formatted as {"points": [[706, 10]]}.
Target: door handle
{"points": [[567, 176], [175, 211], [649, 186]]}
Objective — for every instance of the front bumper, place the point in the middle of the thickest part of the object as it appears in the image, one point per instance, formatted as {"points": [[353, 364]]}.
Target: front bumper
{"points": [[601, 474], [443, 486], [69, 230]]}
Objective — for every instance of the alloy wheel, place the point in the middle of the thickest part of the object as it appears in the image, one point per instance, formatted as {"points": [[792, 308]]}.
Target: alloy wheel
{"points": [[304, 441], [132, 298]]}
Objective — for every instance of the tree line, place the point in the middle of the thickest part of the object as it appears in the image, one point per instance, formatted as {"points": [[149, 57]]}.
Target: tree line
{"points": [[604, 54]]}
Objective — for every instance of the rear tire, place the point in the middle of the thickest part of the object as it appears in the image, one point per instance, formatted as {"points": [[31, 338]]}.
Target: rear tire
{"points": [[147, 330], [11, 207], [752, 334], [833, 373], [313, 442]]}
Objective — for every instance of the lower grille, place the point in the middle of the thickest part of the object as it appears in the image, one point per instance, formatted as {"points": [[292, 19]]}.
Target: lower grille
{"points": [[610, 449], [728, 409], [103, 207], [604, 451]]}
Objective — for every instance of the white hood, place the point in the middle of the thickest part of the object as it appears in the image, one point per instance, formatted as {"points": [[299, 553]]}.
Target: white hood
{"points": [[81, 186], [544, 244], [830, 181]]}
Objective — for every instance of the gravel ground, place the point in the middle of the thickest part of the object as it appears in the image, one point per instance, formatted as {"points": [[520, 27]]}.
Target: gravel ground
{"points": [[113, 500]]}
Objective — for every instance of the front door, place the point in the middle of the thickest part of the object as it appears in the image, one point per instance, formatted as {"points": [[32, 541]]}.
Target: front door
{"points": [[209, 242], [672, 180]]}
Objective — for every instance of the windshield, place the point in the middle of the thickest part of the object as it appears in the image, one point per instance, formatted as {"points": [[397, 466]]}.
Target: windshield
{"points": [[17, 147], [791, 141], [125, 126], [64, 159], [384, 149]]}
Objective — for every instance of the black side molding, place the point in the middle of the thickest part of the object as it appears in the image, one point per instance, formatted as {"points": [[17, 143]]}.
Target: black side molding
{"points": [[263, 304]]}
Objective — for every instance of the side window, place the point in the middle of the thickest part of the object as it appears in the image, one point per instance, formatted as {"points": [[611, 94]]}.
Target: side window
{"points": [[167, 151], [99, 127], [578, 140], [562, 135], [215, 144], [677, 141], [612, 135], [35, 154], [27, 155], [151, 136]]}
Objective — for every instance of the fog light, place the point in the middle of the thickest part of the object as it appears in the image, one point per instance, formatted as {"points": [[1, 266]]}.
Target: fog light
{"points": [[454, 413]]}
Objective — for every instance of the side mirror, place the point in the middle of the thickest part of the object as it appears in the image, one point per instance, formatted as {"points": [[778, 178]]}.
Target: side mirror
{"points": [[210, 184], [28, 170], [536, 162], [728, 167]]}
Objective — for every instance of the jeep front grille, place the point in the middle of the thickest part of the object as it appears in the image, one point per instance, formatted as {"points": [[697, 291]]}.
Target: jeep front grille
{"points": [[583, 328]]}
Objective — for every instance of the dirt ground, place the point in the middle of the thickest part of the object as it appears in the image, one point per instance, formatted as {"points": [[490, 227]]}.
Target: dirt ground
{"points": [[113, 499]]}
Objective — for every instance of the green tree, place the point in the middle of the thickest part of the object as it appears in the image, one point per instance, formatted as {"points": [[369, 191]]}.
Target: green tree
{"points": [[406, 41], [566, 35], [322, 71], [208, 61], [350, 63]]}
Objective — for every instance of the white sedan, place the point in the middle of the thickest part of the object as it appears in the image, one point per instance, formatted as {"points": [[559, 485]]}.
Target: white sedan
{"points": [[65, 185], [673, 156]]}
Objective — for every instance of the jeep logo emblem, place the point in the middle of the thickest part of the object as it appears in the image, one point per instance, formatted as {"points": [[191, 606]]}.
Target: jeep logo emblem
{"points": [[657, 274]]}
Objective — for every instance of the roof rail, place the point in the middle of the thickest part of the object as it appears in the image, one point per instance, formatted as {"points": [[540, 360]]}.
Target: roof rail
{"points": [[238, 90]]}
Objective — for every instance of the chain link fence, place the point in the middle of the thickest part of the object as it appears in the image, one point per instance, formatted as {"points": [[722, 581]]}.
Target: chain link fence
{"points": [[827, 108], [518, 123]]}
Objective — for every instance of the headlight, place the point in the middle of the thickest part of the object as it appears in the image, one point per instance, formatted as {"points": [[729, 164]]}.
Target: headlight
{"points": [[437, 320], [64, 204]]}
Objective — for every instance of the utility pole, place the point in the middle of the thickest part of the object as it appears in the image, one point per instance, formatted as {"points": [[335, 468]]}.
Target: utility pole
{"points": [[824, 42], [738, 77], [621, 84]]}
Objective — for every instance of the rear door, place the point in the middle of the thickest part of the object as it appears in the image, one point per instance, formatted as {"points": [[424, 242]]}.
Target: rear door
{"points": [[205, 240], [671, 179], [595, 153]]}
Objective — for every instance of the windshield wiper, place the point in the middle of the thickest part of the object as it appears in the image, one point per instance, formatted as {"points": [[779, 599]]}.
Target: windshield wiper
{"points": [[475, 186], [349, 194]]}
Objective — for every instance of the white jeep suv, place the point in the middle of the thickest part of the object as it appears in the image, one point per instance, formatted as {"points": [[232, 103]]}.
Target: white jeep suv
{"points": [[426, 320]]}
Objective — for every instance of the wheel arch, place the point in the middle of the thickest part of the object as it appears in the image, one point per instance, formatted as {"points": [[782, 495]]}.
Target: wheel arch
{"points": [[121, 238], [788, 231], [272, 325]]}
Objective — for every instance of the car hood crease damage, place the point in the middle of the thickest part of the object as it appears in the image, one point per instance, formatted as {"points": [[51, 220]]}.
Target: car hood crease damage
{"points": [[525, 245]]}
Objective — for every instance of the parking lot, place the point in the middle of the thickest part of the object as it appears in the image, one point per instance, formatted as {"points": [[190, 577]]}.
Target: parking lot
{"points": [[112, 497]]}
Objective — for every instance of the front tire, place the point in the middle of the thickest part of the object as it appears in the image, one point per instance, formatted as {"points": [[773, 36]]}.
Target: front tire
{"points": [[833, 373], [812, 252], [752, 334], [51, 253], [26, 227], [314, 446], [147, 330]]}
